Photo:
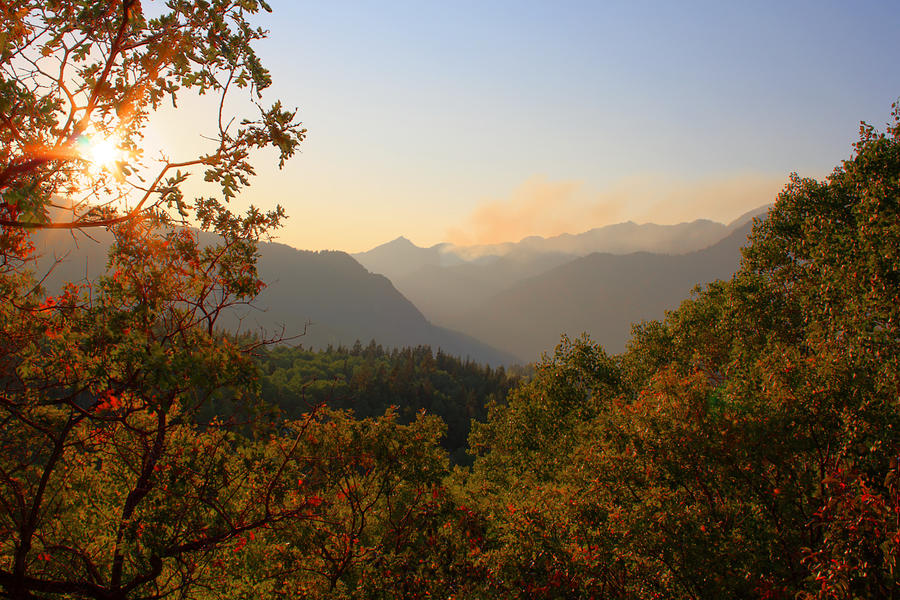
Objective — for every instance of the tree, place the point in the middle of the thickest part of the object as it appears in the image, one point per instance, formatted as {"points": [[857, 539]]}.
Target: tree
{"points": [[371, 489], [108, 486], [79, 83], [745, 446]]}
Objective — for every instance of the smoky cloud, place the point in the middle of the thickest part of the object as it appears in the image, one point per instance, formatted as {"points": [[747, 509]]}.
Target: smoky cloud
{"points": [[537, 207], [548, 208]]}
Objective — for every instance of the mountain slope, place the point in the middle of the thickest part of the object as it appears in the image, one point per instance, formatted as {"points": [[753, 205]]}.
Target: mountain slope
{"points": [[400, 257], [447, 292], [447, 282], [338, 297], [625, 238], [601, 294], [344, 302]]}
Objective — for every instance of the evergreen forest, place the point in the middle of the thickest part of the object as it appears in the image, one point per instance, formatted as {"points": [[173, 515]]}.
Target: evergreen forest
{"points": [[368, 381]]}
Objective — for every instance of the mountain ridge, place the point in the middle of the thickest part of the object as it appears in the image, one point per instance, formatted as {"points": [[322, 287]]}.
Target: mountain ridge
{"points": [[497, 309], [320, 297], [604, 295], [446, 292], [400, 258]]}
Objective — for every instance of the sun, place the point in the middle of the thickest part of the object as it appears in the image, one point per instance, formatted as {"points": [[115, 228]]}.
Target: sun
{"points": [[103, 153]]}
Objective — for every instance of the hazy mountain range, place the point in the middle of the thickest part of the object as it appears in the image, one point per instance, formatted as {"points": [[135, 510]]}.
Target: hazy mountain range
{"points": [[400, 258], [497, 304], [329, 295], [601, 293], [520, 297]]}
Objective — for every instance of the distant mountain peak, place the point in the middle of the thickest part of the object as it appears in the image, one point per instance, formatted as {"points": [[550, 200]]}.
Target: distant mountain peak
{"points": [[398, 242], [749, 216]]}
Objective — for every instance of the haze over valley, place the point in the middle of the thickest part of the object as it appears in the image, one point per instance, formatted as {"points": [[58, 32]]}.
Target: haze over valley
{"points": [[497, 304]]}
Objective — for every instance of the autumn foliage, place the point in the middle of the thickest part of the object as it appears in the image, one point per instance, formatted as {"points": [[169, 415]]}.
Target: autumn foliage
{"points": [[746, 446]]}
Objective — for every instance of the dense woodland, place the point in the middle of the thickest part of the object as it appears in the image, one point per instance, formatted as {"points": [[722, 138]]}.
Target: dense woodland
{"points": [[746, 446], [368, 380]]}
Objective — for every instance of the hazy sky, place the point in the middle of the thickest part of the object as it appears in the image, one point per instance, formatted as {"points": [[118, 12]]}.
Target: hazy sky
{"points": [[489, 121]]}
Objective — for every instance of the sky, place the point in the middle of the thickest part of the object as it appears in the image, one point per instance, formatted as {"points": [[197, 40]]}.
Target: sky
{"points": [[484, 122]]}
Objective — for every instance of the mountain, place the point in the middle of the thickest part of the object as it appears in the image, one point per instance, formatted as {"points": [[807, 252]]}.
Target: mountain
{"points": [[446, 282], [516, 297], [601, 294], [621, 238], [338, 297], [444, 293], [344, 302], [749, 216], [400, 259]]}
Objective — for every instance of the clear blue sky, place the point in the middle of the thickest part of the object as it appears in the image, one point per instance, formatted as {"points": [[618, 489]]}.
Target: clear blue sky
{"points": [[434, 120]]}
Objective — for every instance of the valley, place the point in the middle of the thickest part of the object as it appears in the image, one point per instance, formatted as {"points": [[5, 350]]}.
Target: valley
{"points": [[498, 305]]}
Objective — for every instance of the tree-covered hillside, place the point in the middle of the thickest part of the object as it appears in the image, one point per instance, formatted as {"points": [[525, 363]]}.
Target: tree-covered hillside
{"points": [[368, 380], [746, 446], [327, 297]]}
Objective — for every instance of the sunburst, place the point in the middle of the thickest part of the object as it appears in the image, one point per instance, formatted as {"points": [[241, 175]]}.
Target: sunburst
{"points": [[104, 153]]}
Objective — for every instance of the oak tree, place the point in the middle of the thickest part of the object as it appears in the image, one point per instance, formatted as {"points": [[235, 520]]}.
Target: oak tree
{"points": [[108, 486]]}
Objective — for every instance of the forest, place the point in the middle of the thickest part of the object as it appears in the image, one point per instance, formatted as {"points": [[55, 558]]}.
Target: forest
{"points": [[369, 380], [745, 446]]}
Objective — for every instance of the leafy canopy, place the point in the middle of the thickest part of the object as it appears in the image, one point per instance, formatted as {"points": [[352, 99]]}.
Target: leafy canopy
{"points": [[79, 84]]}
